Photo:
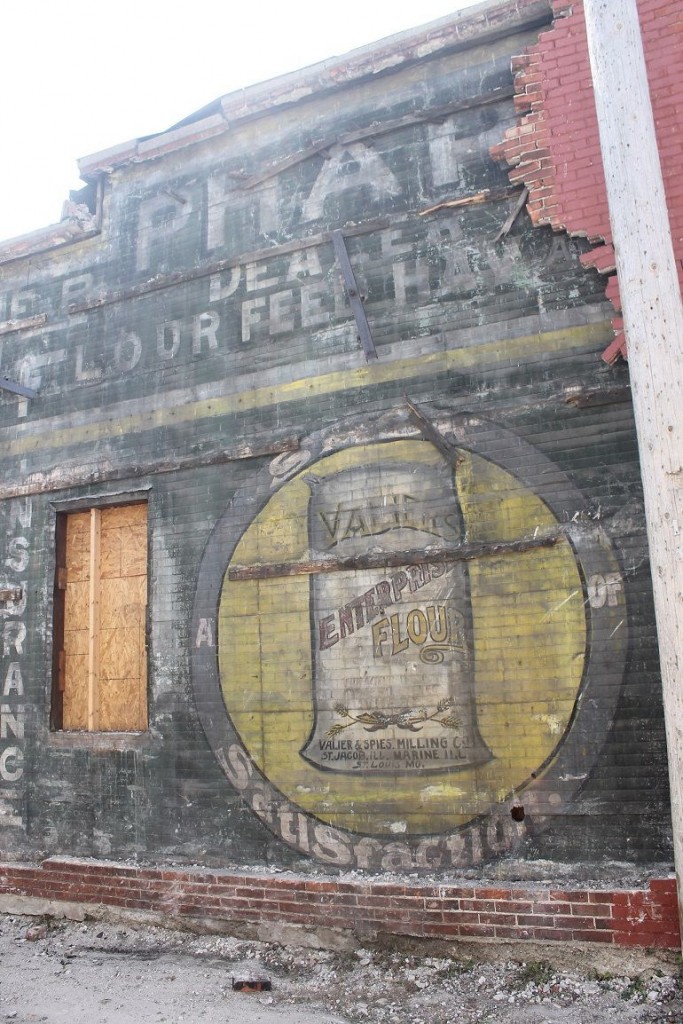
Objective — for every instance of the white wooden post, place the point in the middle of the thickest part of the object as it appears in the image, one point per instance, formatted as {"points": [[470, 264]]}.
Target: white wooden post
{"points": [[653, 317]]}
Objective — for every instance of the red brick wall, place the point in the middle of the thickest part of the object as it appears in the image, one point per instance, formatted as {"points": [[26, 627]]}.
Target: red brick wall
{"points": [[555, 149], [643, 917]]}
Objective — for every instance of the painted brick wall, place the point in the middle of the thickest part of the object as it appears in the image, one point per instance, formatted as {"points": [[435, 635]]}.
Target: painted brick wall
{"points": [[200, 352], [555, 149], [637, 917]]}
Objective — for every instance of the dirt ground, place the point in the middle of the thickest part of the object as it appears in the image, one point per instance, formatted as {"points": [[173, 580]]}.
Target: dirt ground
{"points": [[103, 972]]}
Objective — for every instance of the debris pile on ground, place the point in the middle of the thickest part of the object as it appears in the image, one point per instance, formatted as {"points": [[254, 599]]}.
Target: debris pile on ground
{"points": [[172, 976]]}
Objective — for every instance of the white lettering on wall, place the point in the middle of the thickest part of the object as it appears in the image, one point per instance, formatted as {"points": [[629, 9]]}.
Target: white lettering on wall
{"points": [[12, 713], [350, 168], [159, 218], [204, 636], [605, 590]]}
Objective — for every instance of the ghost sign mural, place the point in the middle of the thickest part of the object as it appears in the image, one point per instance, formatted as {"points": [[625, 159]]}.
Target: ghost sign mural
{"points": [[407, 648]]}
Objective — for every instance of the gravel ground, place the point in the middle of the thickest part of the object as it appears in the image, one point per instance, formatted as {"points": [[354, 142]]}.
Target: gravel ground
{"points": [[111, 973]]}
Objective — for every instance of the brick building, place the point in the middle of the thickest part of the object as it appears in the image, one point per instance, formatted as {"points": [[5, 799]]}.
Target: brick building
{"points": [[325, 547], [555, 147]]}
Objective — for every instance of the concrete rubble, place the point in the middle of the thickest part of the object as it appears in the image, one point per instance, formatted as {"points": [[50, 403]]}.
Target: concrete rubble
{"points": [[59, 971]]}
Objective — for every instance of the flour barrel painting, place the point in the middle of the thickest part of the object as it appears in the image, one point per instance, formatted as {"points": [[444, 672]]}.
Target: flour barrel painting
{"points": [[393, 652], [394, 649]]}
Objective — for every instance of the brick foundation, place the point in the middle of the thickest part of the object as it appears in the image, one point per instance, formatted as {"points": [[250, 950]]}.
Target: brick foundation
{"points": [[639, 917]]}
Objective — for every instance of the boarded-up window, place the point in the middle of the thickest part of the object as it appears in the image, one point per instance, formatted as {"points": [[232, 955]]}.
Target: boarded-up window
{"points": [[100, 619]]}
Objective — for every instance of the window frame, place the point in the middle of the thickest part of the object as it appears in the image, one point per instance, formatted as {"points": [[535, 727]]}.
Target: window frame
{"points": [[61, 512]]}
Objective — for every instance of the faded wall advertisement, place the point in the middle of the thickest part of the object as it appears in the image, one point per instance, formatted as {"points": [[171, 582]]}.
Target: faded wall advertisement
{"points": [[407, 653], [380, 637]]}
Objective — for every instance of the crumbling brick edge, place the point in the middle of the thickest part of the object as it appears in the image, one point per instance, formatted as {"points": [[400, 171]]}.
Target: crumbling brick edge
{"points": [[626, 917], [554, 149]]}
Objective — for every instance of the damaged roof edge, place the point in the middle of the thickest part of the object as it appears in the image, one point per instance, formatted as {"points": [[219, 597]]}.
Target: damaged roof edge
{"points": [[73, 227], [486, 21]]}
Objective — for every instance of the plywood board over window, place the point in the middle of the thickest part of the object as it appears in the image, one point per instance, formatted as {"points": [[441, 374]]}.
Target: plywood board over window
{"points": [[100, 620]]}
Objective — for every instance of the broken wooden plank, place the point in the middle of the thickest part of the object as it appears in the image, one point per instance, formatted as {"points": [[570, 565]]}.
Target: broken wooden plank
{"points": [[588, 398], [487, 195], [430, 432], [25, 324], [392, 559], [518, 207], [82, 475], [17, 389], [375, 129], [355, 300], [477, 197]]}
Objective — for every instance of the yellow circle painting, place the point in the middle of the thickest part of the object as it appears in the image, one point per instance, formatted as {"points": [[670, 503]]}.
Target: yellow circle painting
{"points": [[387, 697]]}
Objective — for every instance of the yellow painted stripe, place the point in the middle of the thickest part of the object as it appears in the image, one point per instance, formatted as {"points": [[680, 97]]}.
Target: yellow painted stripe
{"points": [[489, 355]]}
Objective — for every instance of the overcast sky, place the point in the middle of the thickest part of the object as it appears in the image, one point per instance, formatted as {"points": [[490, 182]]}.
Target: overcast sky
{"points": [[77, 77]]}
